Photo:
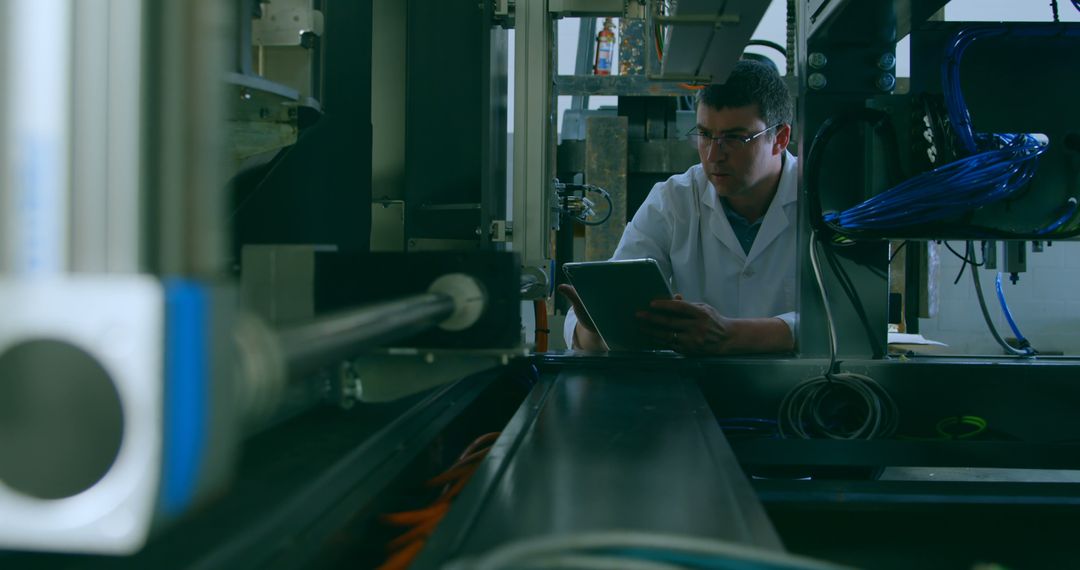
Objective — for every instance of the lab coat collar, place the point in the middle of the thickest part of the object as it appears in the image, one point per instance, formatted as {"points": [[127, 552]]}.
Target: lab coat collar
{"points": [[776, 219]]}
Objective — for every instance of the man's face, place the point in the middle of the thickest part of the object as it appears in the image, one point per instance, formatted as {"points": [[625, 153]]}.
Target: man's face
{"points": [[736, 169]]}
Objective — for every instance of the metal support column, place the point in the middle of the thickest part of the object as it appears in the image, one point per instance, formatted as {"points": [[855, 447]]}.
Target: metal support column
{"points": [[534, 128], [856, 277]]}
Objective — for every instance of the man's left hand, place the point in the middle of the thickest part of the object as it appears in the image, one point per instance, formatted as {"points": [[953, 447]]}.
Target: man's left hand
{"points": [[690, 328]]}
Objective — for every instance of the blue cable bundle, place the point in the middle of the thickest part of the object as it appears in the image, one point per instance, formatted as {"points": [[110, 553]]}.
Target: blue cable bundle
{"points": [[957, 109], [997, 166], [948, 191]]}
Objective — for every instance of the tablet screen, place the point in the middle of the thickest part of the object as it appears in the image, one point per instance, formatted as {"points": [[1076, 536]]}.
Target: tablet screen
{"points": [[612, 291]]}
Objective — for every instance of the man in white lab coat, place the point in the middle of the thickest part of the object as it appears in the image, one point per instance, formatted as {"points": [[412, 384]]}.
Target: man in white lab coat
{"points": [[723, 231]]}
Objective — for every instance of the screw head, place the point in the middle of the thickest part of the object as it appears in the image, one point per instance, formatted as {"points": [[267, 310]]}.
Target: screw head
{"points": [[817, 81], [886, 82], [887, 61], [817, 60]]}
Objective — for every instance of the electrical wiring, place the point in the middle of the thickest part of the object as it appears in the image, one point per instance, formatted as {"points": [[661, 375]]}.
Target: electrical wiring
{"points": [[1028, 352], [994, 167], [956, 108], [657, 34], [897, 251], [816, 152], [542, 330], [954, 428], [662, 9], [1008, 314], [402, 558], [950, 191], [1070, 209], [976, 425], [580, 208], [633, 548], [769, 44], [829, 322], [404, 548], [852, 293], [965, 263], [801, 412]]}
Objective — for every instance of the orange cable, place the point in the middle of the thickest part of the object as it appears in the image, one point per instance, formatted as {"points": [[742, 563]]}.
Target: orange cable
{"points": [[454, 473], [406, 518], [420, 531], [424, 521], [462, 465], [404, 557], [486, 438], [453, 491], [542, 331]]}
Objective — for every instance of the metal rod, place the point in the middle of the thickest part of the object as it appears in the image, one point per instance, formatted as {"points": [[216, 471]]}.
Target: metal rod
{"points": [[35, 131], [310, 346]]}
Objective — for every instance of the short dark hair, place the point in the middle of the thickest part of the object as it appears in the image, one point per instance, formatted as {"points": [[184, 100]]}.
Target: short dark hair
{"points": [[750, 83]]}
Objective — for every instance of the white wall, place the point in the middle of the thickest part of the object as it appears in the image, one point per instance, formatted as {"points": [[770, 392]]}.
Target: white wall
{"points": [[1045, 304]]}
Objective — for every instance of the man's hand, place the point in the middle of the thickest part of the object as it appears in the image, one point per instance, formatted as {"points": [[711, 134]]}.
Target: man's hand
{"points": [[698, 328], [586, 336]]}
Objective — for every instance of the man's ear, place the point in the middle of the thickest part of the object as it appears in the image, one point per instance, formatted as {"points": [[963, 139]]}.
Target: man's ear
{"points": [[783, 138]]}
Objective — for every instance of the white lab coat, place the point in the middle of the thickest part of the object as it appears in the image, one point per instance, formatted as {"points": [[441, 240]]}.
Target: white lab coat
{"points": [[682, 225]]}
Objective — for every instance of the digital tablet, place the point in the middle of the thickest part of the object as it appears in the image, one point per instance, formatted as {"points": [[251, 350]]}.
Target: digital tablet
{"points": [[612, 291]]}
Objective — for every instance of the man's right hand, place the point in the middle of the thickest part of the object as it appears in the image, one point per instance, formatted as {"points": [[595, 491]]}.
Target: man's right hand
{"points": [[586, 336]]}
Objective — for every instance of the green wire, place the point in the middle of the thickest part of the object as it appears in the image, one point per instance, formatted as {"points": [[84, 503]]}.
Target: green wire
{"points": [[976, 424]]}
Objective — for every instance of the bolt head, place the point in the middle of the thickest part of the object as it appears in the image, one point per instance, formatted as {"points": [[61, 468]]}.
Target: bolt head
{"points": [[817, 60], [886, 82], [887, 61], [817, 81]]}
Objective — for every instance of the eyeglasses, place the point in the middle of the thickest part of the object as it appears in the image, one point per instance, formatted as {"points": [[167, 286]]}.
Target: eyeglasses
{"points": [[730, 140]]}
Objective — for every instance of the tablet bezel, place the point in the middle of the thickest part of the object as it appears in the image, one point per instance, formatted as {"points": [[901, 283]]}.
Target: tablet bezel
{"points": [[613, 291]]}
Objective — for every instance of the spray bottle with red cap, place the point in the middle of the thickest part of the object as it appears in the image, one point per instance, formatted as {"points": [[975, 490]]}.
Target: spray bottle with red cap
{"points": [[605, 49]]}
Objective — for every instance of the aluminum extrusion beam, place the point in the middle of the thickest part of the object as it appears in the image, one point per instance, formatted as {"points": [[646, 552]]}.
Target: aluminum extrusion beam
{"points": [[534, 144]]}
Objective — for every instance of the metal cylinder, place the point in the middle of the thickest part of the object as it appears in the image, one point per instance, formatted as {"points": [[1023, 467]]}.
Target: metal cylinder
{"points": [[313, 345], [35, 71]]}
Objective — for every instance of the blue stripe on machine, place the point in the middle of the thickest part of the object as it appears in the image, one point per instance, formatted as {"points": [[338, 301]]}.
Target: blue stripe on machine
{"points": [[186, 369]]}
